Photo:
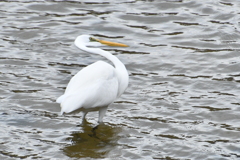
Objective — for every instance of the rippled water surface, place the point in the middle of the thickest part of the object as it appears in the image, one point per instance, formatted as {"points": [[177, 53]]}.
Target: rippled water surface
{"points": [[183, 98]]}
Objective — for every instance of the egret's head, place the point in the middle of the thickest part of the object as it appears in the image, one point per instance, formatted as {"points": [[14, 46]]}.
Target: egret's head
{"points": [[89, 41]]}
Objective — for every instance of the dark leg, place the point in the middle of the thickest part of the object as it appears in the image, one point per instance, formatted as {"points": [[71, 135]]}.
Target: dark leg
{"points": [[84, 116]]}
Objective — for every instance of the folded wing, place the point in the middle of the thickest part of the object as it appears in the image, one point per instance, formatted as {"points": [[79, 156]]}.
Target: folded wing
{"points": [[92, 87]]}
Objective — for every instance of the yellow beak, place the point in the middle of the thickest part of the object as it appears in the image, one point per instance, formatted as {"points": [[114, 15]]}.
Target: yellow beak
{"points": [[112, 43]]}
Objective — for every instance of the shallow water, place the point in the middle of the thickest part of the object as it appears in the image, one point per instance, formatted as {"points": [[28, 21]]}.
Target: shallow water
{"points": [[183, 98]]}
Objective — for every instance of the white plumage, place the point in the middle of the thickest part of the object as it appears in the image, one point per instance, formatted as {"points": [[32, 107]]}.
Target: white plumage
{"points": [[96, 86]]}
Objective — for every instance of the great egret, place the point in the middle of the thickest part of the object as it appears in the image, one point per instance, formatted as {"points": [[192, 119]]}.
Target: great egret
{"points": [[96, 86]]}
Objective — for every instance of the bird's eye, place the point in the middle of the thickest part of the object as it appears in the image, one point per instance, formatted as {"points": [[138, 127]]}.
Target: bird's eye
{"points": [[92, 39]]}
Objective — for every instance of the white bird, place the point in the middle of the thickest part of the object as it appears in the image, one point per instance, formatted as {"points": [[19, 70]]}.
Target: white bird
{"points": [[96, 86]]}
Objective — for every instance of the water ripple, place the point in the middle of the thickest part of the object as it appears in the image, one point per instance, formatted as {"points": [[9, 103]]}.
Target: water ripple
{"points": [[183, 98]]}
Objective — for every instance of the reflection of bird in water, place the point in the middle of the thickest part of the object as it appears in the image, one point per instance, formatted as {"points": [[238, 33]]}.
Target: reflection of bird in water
{"points": [[92, 142], [96, 86]]}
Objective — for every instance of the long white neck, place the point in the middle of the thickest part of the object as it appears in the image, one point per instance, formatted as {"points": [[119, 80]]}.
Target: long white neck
{"points": [[121, 71]]}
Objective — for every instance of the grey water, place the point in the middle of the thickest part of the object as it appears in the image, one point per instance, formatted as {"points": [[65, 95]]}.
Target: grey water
{"points": [[183, 98]]}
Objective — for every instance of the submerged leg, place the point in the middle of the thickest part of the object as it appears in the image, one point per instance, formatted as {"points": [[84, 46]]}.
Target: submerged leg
{"points": [[102, 112], [84, 116]]}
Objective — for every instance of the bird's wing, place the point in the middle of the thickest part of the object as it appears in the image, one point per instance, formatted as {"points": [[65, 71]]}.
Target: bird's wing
{"points": [[93, 86]]}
